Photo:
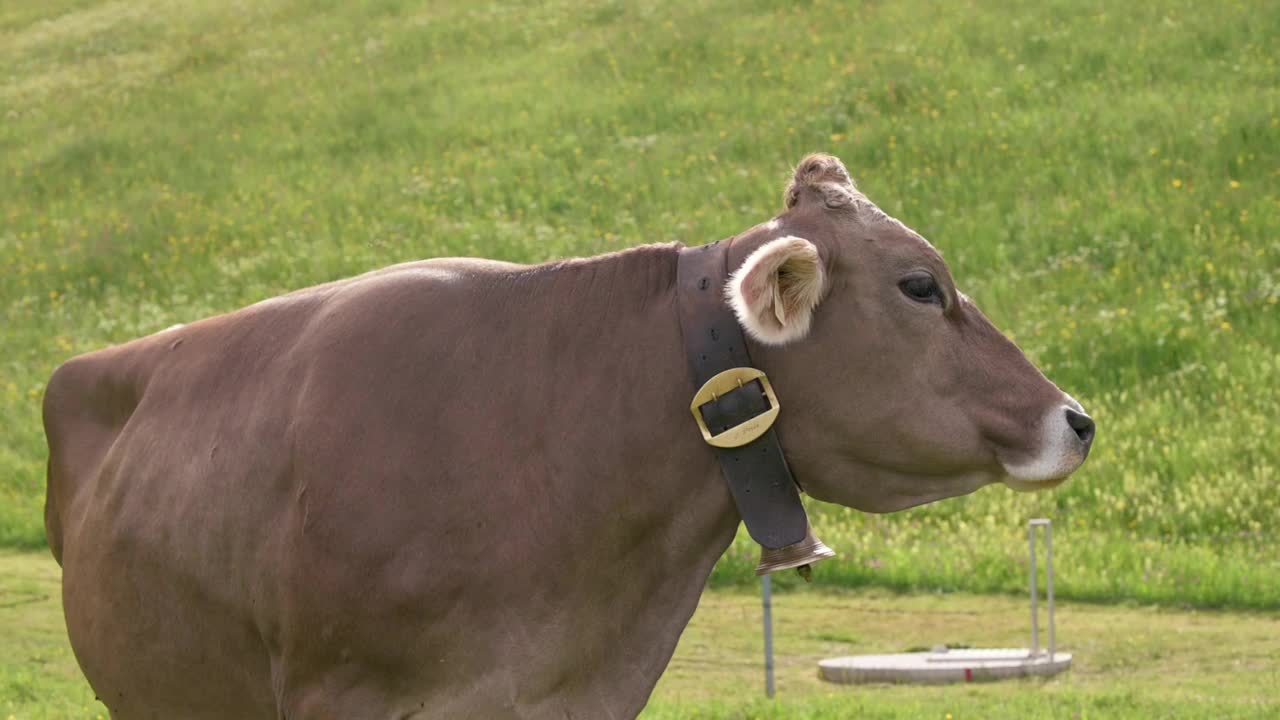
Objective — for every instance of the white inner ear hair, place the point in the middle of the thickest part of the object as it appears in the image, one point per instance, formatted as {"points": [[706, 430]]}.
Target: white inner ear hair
{"points": [[774, 292]]}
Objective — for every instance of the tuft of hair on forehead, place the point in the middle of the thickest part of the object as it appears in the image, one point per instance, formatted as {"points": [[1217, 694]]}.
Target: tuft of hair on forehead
{"points": [[824, 174]]}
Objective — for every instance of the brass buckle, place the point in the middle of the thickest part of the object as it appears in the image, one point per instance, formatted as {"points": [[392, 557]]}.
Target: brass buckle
{"points": [[726, 382]]}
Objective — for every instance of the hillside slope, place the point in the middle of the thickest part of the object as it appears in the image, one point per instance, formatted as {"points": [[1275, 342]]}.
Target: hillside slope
{"points": [[1103, 181]]}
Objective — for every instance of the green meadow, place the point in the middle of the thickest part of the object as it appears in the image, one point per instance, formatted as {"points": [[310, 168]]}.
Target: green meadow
{"points": [[1103, 178], [1128, 662]]}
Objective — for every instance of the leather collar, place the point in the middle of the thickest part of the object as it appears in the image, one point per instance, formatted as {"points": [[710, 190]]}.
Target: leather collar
{"points": [[762, 486]]}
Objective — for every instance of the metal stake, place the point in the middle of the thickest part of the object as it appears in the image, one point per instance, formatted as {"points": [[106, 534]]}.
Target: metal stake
{"points": [[1035, 615], [768, 635], [1048, 562]]}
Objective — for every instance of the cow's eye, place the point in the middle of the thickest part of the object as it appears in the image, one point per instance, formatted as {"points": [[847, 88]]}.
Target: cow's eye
{"points": [[922, 288]]}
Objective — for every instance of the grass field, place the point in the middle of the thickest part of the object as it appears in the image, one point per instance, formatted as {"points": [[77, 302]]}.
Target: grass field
{"points": [[1129, 662], [1103, 179]]}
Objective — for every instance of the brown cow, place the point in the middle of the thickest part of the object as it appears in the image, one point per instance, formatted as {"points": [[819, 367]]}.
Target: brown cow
{"points": [[469, 489]]}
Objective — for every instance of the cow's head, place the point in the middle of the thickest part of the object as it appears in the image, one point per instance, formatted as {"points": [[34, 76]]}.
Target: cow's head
{"points": [[896, 390]]}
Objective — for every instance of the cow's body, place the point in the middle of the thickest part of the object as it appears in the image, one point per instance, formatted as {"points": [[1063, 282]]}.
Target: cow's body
{"points": [[425, 492], [467, 489]]}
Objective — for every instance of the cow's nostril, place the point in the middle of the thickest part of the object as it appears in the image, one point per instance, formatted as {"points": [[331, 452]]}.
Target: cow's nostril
{"points": [[1082, 425]]}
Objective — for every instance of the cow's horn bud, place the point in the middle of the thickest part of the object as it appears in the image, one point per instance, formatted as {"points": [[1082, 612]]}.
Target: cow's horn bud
{"points": [[800, 555]]}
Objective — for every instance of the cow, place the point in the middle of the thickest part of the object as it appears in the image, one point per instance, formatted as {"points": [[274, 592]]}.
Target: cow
{"points": [[460, 488]]}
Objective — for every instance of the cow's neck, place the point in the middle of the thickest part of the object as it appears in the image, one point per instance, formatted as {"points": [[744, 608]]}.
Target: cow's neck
{"points": [[652, 511]]}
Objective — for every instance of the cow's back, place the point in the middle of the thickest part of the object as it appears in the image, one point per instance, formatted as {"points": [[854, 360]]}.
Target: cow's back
{"points": [[204, 407]]}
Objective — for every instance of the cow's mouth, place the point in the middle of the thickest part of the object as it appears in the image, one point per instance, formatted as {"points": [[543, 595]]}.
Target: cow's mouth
{"points": [[1033, 485]]}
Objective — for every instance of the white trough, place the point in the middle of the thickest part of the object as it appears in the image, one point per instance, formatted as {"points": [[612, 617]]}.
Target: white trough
{"points": [[943, 665]]}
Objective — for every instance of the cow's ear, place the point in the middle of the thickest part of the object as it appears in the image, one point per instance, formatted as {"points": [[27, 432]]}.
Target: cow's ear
{"points": [[776, 289], [821, 177]]}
